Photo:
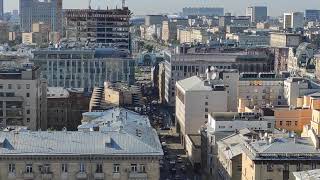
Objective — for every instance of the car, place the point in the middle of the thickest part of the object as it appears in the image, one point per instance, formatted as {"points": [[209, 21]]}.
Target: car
{"points": [[172, 162], [179, 160], [177, 177]]}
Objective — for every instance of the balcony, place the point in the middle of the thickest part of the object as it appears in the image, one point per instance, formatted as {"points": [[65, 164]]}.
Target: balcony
{"points": [[116, 176], [82, 175], [47, 176], [28, 176], [12, 175], [64, 176], [98, 176], [137, 175]]}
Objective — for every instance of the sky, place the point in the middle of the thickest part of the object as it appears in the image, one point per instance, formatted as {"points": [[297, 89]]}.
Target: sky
{"points": [[142, 7]]}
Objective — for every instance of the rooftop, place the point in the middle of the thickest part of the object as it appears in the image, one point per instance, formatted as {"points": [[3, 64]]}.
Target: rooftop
{"points": [[114, 132], [310, 175], [195, 83], [282, 147], [57, 92], [232, 116]]}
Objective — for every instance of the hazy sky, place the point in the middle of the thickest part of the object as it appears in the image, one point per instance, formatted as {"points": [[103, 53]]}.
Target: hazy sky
{"points": [[139, 7]]}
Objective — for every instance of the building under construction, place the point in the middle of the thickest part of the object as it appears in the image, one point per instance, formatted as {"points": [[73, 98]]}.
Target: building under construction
{"points": [[106, 27]]}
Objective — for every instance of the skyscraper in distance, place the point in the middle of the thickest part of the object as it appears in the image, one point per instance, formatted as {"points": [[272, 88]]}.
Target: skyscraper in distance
{"points": [[1, 9], [257, 13], [34, 11]]}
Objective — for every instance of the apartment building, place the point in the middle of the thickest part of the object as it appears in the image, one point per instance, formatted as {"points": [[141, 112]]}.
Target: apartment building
{"points": [[223, 124], [108, 27], [23, 97], [277, 157], [295, 118], [124, 147], [195, 100], [181, 66], [34, 11], [295, 87], [84, 68], [260, 89], [249, 40]]}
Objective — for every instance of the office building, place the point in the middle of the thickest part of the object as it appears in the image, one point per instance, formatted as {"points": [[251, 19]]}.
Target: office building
{"points": [[124, 146], [109, 27], [285, 40], [39, 35], [23, 98], [84, 68], [257, 13], [202, 11], [293, 20], [34, 11], [312, 15], [181, 66], [153, 20]]}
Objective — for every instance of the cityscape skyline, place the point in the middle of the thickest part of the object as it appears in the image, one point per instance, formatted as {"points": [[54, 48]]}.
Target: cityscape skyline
{"points": [[237, 8]]}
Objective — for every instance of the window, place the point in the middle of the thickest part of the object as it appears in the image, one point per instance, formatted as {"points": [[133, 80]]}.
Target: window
{"points": [[116, 168], [206, 116], [29, 168], [269, 167], [99, 168], [28, 120], [27, 86], [64, 168], [46, 168], [1, 86], [9, 86], [280, 123], [133, 167], [82, 167], [288, 123], [12, 168], [206, 103], [206, 110], [28, 111], [142, 168], [296, 123], [28, 94], [299, 167], [18, 86], [269, 125], [279, 97]]}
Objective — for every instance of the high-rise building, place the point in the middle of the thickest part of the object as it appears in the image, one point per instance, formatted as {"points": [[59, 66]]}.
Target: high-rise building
{"points": [[312, 15], [34, 11], [257, 13], [23, 97], [293, 20], [1, 9], [109, 27], [153, 19]]}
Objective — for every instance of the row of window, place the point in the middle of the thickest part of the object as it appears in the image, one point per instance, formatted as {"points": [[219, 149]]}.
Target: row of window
{"points": [[140, 168], [10, 86]]}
